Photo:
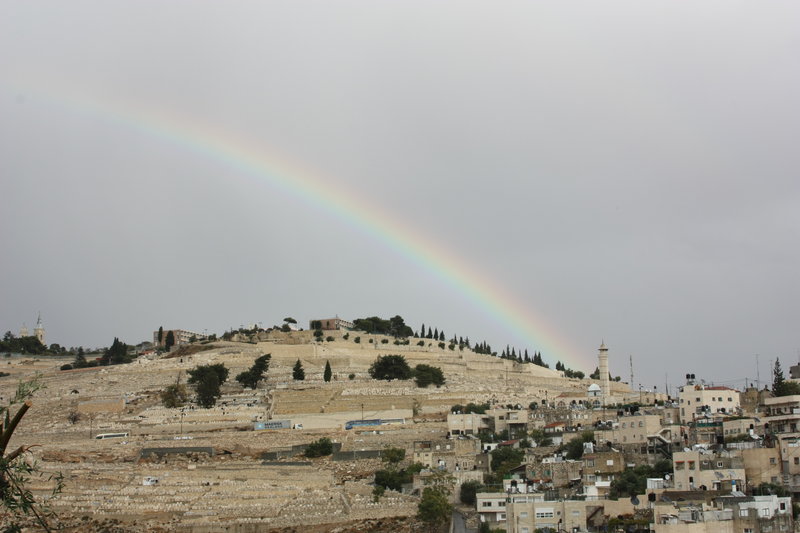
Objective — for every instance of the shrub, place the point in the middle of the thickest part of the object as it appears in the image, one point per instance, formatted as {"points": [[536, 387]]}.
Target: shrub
{"points": [[351, 377], [329, 338], [441, 345], [319, 448], [66, 367], [357, 340], [346, 336], [421, 343], [174, 396], [386, 341]]}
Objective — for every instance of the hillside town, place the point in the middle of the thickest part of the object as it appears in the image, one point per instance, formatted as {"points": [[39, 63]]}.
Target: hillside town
{"points": [[336, 428]]}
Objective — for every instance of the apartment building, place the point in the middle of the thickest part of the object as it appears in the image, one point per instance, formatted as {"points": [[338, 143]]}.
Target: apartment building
{"points": [[695, 401], [705, 470]]}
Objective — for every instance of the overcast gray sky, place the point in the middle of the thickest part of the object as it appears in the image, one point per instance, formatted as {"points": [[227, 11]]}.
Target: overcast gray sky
{"points": [[625, 171]]}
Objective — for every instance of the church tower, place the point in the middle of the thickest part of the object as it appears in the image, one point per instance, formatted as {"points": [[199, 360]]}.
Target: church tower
{"points": [[38, 331], [23, 331], [602, 366]]}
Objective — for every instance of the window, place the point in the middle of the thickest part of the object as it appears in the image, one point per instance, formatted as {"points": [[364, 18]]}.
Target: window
{"points": [[610, 462], [523, 514], [590, 462], [765, 512], [544, 513], [719, 464], [772, 460], [486, 504], [743, 512]]}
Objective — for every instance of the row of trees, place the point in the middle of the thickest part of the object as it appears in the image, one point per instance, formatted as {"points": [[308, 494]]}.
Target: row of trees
{"points": [[395, 326], [206, 380]]}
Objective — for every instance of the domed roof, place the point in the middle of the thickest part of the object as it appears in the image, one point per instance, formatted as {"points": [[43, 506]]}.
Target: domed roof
{"points": [[594, 387]]}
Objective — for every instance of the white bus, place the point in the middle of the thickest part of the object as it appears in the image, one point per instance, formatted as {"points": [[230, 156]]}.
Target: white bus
{"points": [[101, 436]]}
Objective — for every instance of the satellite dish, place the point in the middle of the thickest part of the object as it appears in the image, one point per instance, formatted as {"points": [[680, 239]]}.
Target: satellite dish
{"points": [[666, 477], [634, 500]]}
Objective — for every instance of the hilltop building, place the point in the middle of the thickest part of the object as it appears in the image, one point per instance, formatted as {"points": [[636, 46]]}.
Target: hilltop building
{"points": [[330, 324], [181, 336]]}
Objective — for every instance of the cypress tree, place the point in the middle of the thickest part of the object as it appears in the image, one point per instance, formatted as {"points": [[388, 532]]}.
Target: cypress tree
{"points": [[436, 333], [422, 331], [328, 372]]}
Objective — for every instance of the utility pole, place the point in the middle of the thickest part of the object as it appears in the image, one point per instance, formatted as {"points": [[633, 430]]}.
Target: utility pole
{"points": [[631, 363]]}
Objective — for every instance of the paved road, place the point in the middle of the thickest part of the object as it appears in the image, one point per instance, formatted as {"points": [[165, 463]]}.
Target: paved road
{"points": [[458, 525]]}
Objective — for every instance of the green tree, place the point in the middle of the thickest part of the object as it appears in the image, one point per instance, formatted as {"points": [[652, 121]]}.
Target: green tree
{"points": [[574, 448], [319, 448], [207, 380], [170, 340], [468, 491], [504, 458], [116, 354], [160, 334], [434, 509], [633, 481], [328, 374], [80, 360], [393, 455], [290, 320], [390, 367], [208, 390], [17, 502], [298, 374], [251, 377], [425, 375], [781, 387]]}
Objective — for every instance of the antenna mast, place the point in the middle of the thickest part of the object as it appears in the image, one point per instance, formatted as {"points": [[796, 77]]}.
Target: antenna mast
{"points": [[758, 376]]}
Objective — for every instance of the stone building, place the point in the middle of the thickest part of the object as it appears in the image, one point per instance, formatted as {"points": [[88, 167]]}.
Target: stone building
{"points": [[450, 455], [331, 324]]}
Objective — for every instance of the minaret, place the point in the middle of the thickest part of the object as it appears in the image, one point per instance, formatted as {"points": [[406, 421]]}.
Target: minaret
{"points": [[38, 331], [602, 357]]}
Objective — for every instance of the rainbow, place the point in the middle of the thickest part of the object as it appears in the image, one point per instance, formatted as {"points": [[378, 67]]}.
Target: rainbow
{"points": [[294, 179]]}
